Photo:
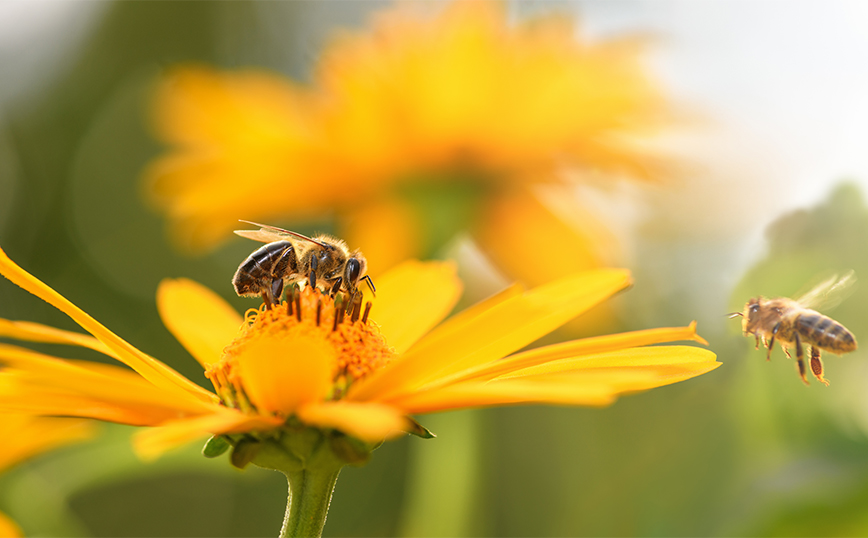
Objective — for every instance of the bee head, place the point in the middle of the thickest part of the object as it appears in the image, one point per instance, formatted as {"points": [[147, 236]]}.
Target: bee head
{"points": [[354, 270], [751, 314]]}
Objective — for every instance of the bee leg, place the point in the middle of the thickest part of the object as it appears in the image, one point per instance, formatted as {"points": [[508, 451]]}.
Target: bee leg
{"points": [[277, 290], [354, 302], [817, 365], [351, 298], [757, 340], [370, 284], [266, 298], [336, 287], [311, 279], [772, 341], [800, 359]]}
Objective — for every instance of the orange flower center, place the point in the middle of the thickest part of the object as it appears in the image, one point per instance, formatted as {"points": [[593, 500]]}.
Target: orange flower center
{"points": [[308, 317]]}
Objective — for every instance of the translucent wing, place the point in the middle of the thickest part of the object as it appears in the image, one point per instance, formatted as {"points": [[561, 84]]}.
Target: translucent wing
{"points": [[264, 236], [269, 234], [830, 292]]}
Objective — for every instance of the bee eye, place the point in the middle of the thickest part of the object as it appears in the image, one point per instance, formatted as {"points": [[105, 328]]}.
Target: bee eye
{"points": [[754, 308], [353, 270]]}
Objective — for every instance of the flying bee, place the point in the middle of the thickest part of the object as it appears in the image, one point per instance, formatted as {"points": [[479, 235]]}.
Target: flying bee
{"points": [[292, 257], [794, 324]]}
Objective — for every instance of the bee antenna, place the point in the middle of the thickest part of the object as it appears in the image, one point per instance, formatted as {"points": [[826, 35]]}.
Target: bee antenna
{"points": [[735, 314]]}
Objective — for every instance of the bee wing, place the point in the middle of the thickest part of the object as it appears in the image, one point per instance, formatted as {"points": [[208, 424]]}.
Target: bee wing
{"points": [[269, 234], [830, 292], [263, 236]]}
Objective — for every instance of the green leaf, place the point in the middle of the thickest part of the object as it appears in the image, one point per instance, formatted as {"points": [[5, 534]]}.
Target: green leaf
{"points": [[215, 446]]}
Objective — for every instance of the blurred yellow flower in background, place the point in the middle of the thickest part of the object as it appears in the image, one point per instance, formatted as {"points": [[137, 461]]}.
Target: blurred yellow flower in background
{"points": [[432, 122]]}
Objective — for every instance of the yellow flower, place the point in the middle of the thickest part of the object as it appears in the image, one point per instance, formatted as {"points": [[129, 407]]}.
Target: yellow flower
{"points": [[361, 373], [430, 100], [464, 87]]}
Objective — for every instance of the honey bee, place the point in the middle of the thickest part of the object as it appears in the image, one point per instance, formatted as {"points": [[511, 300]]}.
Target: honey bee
{"points": [[794, 324], [292, 257]]}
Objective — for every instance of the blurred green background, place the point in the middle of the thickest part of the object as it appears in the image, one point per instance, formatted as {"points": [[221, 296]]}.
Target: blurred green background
{"points": [[746, 450]]}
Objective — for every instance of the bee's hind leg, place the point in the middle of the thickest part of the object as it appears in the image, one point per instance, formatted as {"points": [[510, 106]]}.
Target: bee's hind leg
{"points": [[772, 341], [273, 294], [800, 359], [277, 290], [266, 298], [817, 365]]}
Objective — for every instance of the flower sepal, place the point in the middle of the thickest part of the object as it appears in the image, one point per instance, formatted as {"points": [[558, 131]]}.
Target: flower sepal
{"points": [[298, 447], [311, 458], [419, 430], [216, 446]]}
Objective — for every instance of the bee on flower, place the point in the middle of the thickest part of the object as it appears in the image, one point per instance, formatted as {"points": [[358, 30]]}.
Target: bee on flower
{"points": [[293, 257], [305, 389]]}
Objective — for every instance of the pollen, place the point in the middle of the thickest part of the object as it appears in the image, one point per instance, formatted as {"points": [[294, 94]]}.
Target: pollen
{"points": [[307, 317]]}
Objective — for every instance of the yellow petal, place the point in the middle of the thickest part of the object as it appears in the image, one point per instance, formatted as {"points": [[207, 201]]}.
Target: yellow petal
{"points": [[25, 436], [35, 332], [199, 318], [151, 369], [35, 401], [575, 348], [197, 106], [445, 330], [493, 334], [25, 395], [370, 422], [412, 298], [199, 191], [511, 392], [456, 322], [630, 358], [40, 384], [619, 380], [151, 443], [250, 124], [592, 386], [282, 372]]}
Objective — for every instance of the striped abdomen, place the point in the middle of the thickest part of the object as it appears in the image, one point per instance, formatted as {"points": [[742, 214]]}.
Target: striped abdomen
{"points": [[825, 333], [272, 261]]}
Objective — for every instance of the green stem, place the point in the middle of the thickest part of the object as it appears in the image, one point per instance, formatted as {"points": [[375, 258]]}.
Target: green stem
{"points": [[311, 460], [310, 492]]}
